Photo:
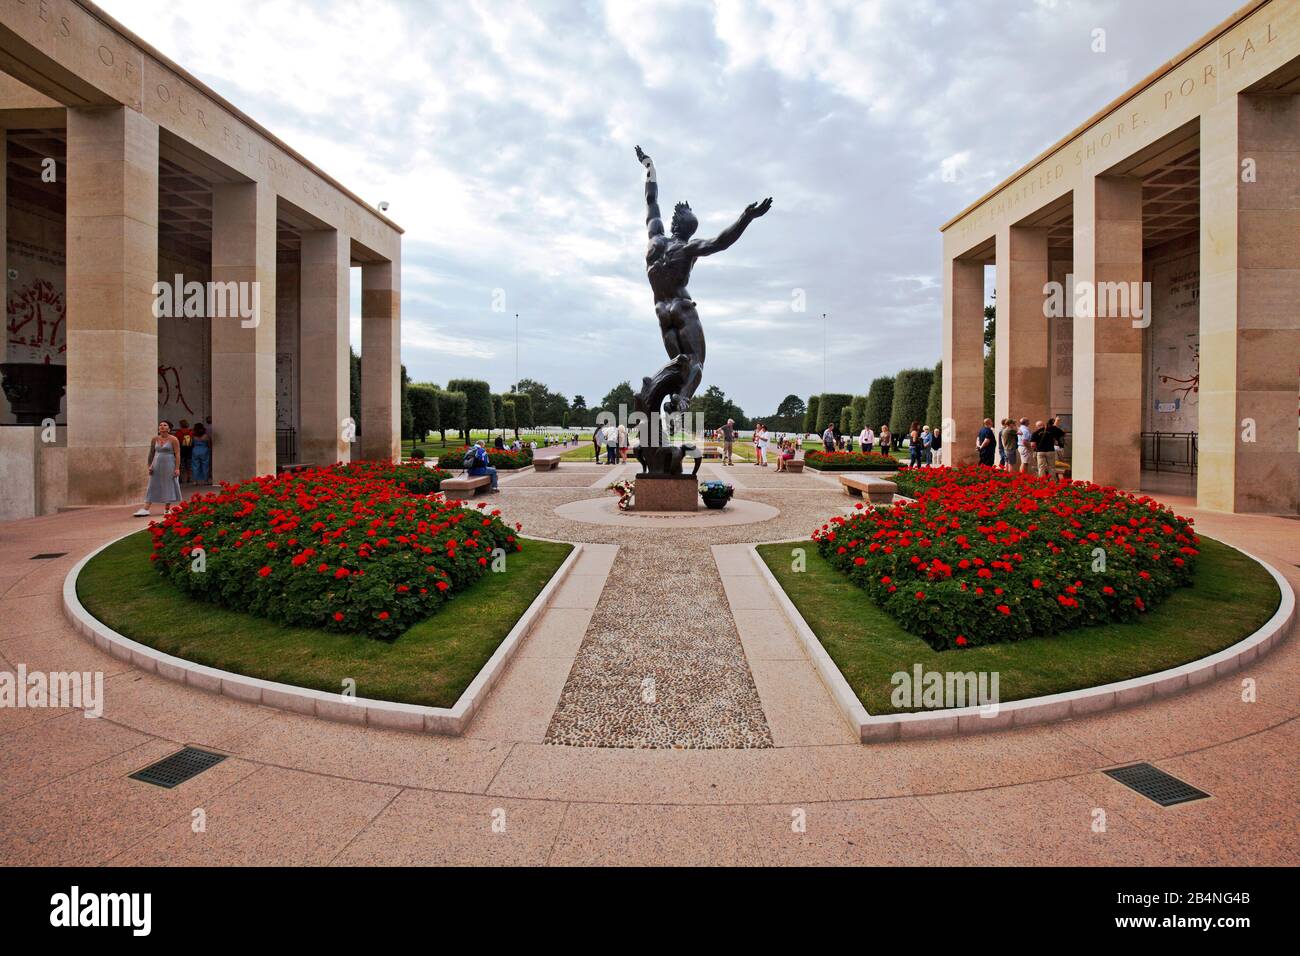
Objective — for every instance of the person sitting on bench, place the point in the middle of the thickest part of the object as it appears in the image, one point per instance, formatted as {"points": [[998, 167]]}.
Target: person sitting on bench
{"points": [[481, 465]]}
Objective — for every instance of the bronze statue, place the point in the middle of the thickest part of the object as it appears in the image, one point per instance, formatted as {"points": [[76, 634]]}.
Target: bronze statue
{"points": [[669, 260]]}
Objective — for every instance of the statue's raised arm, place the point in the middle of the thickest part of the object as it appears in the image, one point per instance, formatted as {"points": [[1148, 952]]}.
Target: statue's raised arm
{"points": [[728, 236], [654, 223]]}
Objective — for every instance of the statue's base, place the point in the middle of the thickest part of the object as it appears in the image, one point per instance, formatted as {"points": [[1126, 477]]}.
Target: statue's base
{"points": [[666, 494]]}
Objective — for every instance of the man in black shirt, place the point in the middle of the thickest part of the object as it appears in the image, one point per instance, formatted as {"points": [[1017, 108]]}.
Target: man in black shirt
{"points": [[986, 443], [1046, 440]]}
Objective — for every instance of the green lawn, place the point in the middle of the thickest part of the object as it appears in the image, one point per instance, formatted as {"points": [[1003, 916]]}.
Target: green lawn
{"points": [[1231, 598], [433, 447], [432, 663]]}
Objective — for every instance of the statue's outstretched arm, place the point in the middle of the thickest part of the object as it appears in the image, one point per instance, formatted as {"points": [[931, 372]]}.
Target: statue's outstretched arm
{"points": [[728, 236], [654, 222]]}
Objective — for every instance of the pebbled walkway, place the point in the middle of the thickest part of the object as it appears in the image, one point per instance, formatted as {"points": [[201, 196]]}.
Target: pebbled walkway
{"points": [[661, 664]]}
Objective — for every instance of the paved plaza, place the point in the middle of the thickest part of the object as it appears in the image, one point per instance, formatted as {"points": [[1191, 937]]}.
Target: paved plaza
{"points": [[738, 737]]}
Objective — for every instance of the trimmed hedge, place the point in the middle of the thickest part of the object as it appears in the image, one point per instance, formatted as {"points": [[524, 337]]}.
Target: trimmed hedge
{"points": [[499, 458], [828, 409], [850, 461], [810, 416], [911, 393], [879, 402], [478, 403], [934, 404]]}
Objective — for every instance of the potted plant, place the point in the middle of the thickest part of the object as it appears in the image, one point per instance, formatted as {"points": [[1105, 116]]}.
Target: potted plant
{"points": [[716, 494]]}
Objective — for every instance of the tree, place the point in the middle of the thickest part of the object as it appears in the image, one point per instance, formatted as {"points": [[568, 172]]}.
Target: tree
{"points": [[860, 419], [498, 412], [525, 416], [990, 380], [789, 414], [734, 411], [408, 419], [828, 410], [810, 415], [509, 411], [354, 387], [880, 402], [934, 405], [990, 362], [424, 410], [580, 411], [545, 407], [451, 412], [620, 395], [911, 392], [713, 406], [848, 425], [478, 404]]}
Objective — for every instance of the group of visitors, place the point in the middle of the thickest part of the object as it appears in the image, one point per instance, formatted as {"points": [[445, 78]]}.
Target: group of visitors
{"points": [[500, 443], [925, 446], [1015, 446], [614, 439], [177, 456]]}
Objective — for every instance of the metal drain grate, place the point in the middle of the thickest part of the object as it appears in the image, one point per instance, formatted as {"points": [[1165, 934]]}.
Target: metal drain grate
{"points": [[1154, 784], [46, 555], [178, 768]]}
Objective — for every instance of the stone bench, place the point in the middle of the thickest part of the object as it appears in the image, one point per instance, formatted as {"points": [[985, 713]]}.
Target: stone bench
{"points": [[546, 464], [876, 490], [711, 451], [794, 466], [466, 483]]}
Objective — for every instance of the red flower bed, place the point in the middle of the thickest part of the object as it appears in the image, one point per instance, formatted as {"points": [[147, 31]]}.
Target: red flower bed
{"points": [[334, 548], [500, 458], [983, 556], [850, 461]]}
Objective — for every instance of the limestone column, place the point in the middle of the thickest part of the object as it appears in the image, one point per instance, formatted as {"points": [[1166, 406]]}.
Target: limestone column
{"points": [[4, 216], [112, 334], [381, 357], [324, 306], [243, 339], [1250, 284], [1021, 353], [963, 359], [1106, 445]]}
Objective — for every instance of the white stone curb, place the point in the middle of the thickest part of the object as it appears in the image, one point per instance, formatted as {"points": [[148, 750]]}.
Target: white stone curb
{"points": [[1034, 710], [301, 700]]}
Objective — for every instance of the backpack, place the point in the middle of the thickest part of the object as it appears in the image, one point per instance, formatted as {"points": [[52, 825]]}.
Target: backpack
{"points": [[470, 459]]}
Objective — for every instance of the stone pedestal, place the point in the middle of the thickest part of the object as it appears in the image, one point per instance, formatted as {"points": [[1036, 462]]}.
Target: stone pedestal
{"points": [[667, 494]]}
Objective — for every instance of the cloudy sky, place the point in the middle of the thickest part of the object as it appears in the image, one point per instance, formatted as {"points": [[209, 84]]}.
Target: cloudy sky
{"points": [[502, 134]]}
